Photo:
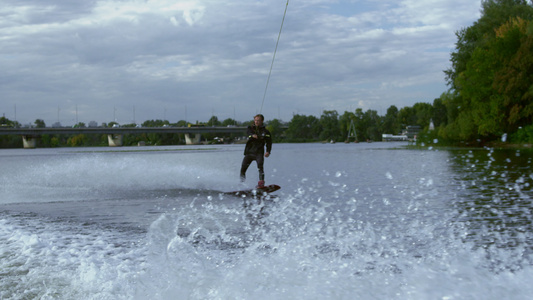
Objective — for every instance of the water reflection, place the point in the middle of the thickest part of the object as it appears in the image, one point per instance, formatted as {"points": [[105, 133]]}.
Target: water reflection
{"points": [[495, 199]]}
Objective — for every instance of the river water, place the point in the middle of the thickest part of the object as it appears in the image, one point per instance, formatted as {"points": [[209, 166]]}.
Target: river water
{"points": [[351, 221]]}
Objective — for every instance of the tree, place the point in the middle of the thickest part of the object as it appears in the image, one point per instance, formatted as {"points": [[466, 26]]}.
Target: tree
{"points": [[181, 123], [213, 121], [345, 120], [391, 122], [78, 140], [440, 113], [40, 123], [423, 114], [514, 80], [5, 122], [494, 13], [373, 122], [275, 128], [9, 141], [361, 124], [155, 123], [497, 80], [303, 128], [329, 121], [368, 125], [407, 116], [229, 122]]}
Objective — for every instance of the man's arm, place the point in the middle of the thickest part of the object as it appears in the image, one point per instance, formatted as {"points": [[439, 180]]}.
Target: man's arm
{"points": [[250, 132], [268, 142]]}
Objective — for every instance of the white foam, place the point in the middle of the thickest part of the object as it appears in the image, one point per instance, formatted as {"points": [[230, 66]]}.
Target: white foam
{"points": [[91, 176], [335, 232], [44, 260]]}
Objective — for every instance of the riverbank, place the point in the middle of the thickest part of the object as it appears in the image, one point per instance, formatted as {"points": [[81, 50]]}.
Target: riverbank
{"points": [[502, 145]]}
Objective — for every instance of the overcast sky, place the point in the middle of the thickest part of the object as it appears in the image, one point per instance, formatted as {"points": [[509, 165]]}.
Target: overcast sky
{"points": [[137, 60]]}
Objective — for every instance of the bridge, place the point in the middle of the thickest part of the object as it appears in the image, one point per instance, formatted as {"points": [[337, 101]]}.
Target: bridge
{"points": [[115, 134]]}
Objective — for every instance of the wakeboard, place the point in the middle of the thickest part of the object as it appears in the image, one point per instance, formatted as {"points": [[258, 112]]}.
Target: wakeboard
{"points": [[256, 192]]}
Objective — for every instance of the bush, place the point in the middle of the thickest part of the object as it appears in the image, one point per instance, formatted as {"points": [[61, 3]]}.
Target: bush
{"points": [[523, 135]]}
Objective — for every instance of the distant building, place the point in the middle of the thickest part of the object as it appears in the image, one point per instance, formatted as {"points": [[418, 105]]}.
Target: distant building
{"points": [[93, 124], [390, 137], [411, 131]]}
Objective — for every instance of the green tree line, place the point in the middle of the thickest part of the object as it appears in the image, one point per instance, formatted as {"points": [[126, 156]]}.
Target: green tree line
{"points": [[490, 94], [491, 78], [330, 126]]}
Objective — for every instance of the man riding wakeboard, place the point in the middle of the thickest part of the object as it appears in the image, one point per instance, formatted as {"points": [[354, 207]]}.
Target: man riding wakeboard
{"points": [[258, 138]]}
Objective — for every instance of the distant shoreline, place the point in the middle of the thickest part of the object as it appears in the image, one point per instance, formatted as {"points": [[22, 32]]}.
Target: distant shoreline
{"points": [[501, 145]]}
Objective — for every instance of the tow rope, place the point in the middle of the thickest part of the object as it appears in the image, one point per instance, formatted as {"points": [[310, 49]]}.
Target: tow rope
{"points": [[274, 57]]}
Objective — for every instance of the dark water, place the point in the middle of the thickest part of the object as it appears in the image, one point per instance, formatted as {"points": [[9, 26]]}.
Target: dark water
{"points": [[352, 221], [495, 203]]}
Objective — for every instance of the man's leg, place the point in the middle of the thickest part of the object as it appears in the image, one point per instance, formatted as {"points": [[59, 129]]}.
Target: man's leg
{"points": [[246, 161], [260, 159]]}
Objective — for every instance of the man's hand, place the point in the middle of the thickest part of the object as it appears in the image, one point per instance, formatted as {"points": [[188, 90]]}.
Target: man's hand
{"points": [[267, 154]]}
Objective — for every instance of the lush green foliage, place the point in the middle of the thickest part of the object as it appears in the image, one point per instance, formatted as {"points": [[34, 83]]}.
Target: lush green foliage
{"points": [[491, 77], [328, 127]]}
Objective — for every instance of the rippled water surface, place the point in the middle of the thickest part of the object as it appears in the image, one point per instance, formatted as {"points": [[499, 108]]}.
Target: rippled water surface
{"points": [[351, 221]]}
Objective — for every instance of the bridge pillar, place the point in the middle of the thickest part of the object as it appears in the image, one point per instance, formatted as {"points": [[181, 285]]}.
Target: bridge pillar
{"points": [[29, 141], [192, 141], [115, 140]]}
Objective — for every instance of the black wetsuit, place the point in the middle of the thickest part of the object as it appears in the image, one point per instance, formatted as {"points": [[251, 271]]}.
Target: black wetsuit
{"points": [[255, 149]]}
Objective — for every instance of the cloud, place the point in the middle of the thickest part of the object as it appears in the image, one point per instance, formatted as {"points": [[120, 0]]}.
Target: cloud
{"points": [[192, 59]]}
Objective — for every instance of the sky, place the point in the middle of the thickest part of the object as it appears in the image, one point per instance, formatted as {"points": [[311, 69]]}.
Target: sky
{"points": [[127, 61]]}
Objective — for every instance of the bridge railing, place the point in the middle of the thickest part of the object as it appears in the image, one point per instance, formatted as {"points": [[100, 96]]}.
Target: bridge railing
{"points": [[119, 130], [29, 135]]}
